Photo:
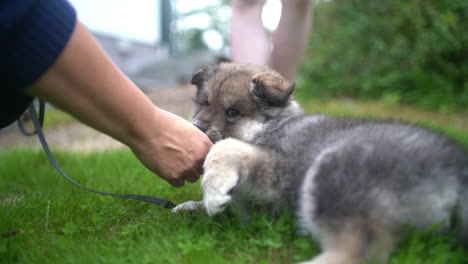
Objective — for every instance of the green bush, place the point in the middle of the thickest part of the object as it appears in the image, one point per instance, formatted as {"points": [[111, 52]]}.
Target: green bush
{"points": [[399, 51]]}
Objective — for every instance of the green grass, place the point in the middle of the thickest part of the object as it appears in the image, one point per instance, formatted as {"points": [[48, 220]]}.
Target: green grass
{"points": [[53, 118], [64, 224]]}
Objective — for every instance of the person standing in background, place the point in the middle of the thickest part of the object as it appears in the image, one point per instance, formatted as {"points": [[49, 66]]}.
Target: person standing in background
{"points": [[250, 43]]}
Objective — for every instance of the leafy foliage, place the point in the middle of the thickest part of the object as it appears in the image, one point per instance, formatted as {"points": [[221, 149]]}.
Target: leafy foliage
{"points": [[399, 51], [190, 39]]}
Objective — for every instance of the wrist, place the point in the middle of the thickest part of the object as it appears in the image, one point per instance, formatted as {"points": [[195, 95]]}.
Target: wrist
{"points": [[142, 131]]}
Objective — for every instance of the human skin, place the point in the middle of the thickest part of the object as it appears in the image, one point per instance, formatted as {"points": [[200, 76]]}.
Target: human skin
{"points": [[87, 84], [250, 43], [290, 39]]}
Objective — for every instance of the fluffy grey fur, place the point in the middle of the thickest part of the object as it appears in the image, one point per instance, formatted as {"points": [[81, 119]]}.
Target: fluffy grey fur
{"points": [[354, 183]]}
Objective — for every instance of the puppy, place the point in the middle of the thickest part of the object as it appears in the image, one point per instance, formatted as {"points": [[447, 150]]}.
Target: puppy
{"points": [[354, 183]]}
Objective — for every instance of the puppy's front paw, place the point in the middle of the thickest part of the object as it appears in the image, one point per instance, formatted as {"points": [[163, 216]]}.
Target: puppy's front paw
{"points": [[217, 187], [188, 206], [215, 203], [222, 167], [217, 191]]}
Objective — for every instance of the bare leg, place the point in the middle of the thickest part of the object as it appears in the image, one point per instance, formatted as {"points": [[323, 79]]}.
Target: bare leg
{"points": [[291, 37], [249, 41], [251, 45]]}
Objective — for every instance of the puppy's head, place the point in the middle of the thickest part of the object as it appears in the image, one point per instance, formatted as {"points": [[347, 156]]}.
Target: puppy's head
{"points": [[236, 101]]}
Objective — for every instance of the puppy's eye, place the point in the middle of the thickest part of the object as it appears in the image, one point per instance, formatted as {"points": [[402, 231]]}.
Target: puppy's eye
{"points": [[232, 112]]}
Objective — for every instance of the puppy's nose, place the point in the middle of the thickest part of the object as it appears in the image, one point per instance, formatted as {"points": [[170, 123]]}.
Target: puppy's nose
{"points": [[201, 125]]}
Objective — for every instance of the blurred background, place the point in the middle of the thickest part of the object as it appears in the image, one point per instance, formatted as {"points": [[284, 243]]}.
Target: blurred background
{"points": [[159, 42], [399, 51]]}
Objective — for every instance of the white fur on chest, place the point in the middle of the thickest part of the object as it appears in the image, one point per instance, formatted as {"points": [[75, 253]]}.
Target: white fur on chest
{"points": [[251, 129]]}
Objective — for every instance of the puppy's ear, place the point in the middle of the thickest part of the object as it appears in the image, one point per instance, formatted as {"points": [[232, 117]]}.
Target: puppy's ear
{"points": [[273, 90], [203, 74], [197, 78]]}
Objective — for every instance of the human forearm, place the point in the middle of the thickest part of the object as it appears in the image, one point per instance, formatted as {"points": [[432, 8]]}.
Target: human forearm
{"points": [[84, 82]]}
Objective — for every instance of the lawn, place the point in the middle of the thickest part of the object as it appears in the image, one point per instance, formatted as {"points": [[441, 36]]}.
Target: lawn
{"points": [[45, 219]]}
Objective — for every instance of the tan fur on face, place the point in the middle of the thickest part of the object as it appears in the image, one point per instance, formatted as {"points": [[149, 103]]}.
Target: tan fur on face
{"points": [[254, 91]]}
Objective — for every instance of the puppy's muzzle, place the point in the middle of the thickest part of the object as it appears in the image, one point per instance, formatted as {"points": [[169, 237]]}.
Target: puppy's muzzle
{"points": [[200, 125]]}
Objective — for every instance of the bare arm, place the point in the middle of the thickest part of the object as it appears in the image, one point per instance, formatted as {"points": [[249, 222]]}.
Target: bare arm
{"points": [[85, 83]]}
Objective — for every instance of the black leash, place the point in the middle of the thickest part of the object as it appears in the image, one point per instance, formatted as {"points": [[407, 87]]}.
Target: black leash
{"points": [[39, 121]]}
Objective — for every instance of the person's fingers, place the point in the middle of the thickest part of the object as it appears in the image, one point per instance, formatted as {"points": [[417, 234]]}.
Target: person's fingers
{"points": [[192, 176], [175, 182], [200, 169], [207, 145]]}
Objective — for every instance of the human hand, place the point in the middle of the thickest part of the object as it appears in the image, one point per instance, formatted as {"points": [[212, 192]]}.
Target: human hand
{"points": [[175, 149], [85, 83]]}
